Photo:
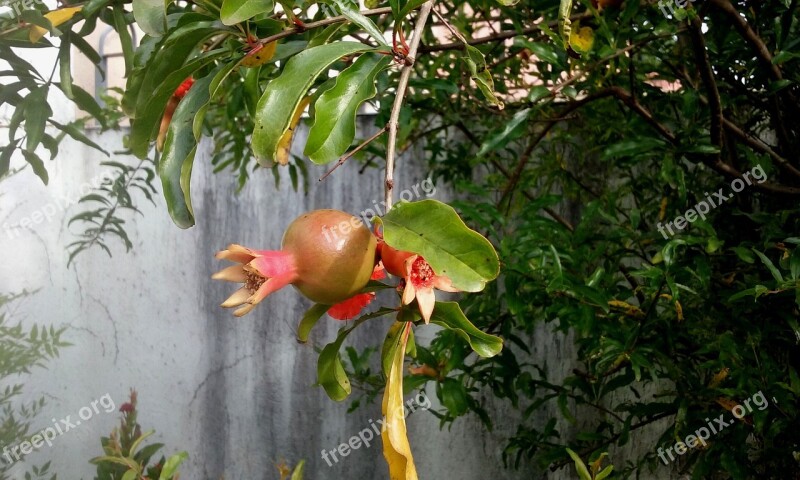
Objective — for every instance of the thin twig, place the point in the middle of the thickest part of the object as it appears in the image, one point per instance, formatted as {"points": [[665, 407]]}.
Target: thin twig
{"points": [[498, 37], [349, 154], [321, 23], [402, 85]]}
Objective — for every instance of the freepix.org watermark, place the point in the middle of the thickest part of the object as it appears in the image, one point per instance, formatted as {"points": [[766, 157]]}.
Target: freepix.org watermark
{"points": [[14, 9], [58, 205], [702, 208], [14, 453], [365, 437], [425, 187], [704, 433]]}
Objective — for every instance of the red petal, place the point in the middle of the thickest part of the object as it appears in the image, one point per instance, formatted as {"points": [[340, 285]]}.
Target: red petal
{"points": [[351, 307], [378, 273], [273, 263]]}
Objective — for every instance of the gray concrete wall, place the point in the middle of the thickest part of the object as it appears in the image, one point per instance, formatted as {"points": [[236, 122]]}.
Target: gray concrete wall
{"points": [[237, 394]]}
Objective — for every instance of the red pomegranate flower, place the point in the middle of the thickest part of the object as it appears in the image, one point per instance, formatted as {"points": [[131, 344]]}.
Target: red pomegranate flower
{"points": [[351, 307], [419, 279]]}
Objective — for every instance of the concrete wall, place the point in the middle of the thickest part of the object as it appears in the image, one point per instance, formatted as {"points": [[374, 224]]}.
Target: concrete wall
{"points": [[237, 394]]}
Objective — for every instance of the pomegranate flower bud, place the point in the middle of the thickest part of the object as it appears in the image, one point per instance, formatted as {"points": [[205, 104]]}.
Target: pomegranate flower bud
{"points": [[419, 279]]}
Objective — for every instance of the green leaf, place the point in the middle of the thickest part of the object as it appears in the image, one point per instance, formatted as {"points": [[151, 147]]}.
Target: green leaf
{"points": [[776, 274], [145, 125], [121, 26], [37, 165], [450, 316], [171, 466], [37, 111], [151, 16], [335, 112], [509, 132], [350, 12], [310, 319], [283, 95], [180, 147], [481, 75], [436, 232], [454, 396], [330, 371], [410, 6], [583, 472], [237, 11], [390, 344], [604, 473], [64, 55], [297, 474]]}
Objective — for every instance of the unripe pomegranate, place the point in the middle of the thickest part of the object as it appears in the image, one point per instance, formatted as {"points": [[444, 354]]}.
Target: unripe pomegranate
{"points": [[328, 255], [335, 254]]}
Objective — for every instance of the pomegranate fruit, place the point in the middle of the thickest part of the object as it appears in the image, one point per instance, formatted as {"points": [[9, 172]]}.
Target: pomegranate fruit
{"points": [[328, 255]]}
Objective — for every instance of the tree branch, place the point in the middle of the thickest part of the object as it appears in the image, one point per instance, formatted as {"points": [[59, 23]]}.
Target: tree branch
{"points": [[750, 35], [321, 23], [402, 85]]}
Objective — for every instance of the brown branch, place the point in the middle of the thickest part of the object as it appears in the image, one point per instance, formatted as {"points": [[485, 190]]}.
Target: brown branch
{"points": [[750, 35], [402, 85], [349, 154], [496, 37], [707, 74], [757, 144], [716, 164], [321, 23]]}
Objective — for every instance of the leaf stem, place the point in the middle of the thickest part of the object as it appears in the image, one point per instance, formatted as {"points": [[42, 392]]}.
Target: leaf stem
{"points": [[402, 85], [321, 23]]}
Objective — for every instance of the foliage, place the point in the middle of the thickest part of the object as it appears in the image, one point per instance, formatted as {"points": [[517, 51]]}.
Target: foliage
{"points": [[126, 457], [22, 350], [575, 132]]}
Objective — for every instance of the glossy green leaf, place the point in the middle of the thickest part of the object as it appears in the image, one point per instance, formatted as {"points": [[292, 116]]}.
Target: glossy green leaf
{"points": [[282, 96], [237, 11], [454, 396], [180, 147], [155, 59], [350, 12], [335, 112], [435, 231], [510, 131], [310, 319], [145, 126], [450, 316], [330, 371], [151, 16]]}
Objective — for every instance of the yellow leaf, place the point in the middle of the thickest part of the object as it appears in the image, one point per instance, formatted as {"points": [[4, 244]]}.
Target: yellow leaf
{"points": [[396, 448], [285, 143], [261, 56], [56, 18], [581, 39]]}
